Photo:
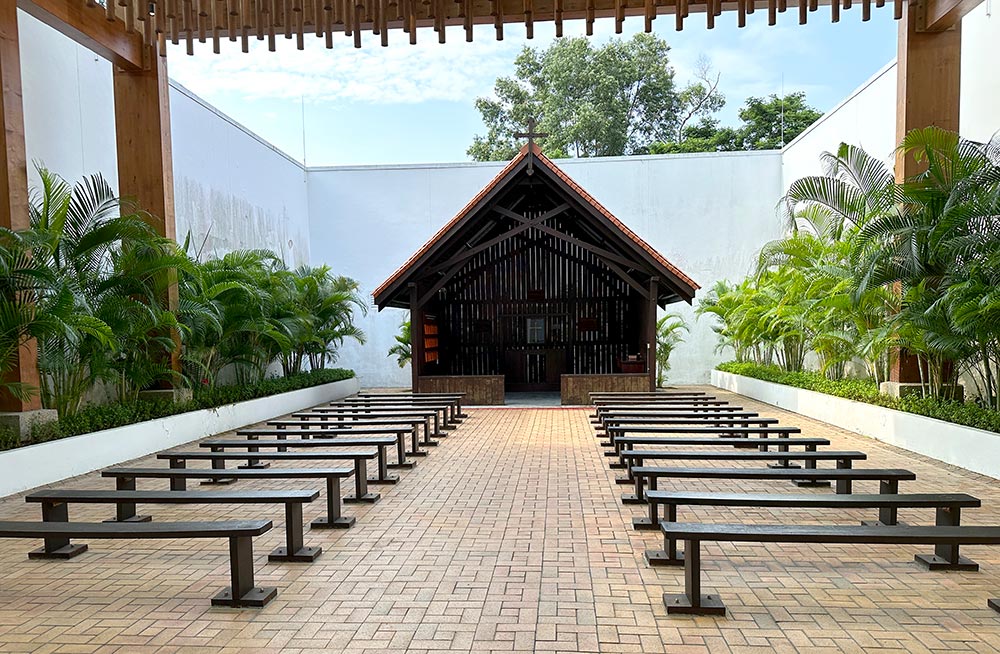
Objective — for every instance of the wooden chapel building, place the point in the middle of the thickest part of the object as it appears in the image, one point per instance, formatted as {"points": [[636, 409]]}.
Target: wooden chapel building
{"points": [[534, 286]]}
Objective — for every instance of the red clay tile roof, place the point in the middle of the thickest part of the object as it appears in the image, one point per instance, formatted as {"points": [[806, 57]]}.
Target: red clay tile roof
{"points": [[586, 197]]}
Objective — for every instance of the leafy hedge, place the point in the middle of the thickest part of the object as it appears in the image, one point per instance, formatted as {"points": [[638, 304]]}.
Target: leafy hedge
{"points": [[106, 416], [865, 390]]}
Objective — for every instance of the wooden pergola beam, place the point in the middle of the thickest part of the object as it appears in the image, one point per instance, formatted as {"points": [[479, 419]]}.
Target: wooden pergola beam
{"points": [[941, 15], [14, 187], [89, 27]]}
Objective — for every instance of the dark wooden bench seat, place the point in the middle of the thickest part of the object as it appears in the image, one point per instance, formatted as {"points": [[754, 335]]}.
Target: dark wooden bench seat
{"points": [[705, 420], [242, 590], [334, 518], [762, 444], [843, 459], [361, 435], [693, 534], [667, 409], [306, 425], [614, 431], [455, 398], [431, 418], [218, 456], [55, 508], [889, 478], [444, 410], [948, 513]]}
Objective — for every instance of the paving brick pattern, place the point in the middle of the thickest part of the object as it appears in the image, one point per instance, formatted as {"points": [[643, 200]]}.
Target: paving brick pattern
{"points": [[508, 538]]}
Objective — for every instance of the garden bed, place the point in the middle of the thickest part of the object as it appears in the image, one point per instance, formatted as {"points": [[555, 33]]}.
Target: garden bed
{"points": [[974, 449], [44, 463]]}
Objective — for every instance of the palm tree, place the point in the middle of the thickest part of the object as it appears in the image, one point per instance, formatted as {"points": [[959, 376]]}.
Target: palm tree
{"points": [[104, 260], [402, 349], [668, 336]]}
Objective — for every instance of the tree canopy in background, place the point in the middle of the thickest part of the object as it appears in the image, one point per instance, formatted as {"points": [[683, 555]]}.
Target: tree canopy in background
{"points": [[622, 99], [608, 100]]}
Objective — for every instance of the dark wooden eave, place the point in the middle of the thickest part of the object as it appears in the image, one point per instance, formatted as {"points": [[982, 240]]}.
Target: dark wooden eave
{"points": [[620, 250]]}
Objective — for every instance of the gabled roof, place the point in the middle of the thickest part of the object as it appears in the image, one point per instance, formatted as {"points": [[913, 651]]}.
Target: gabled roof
{"points": [[681, 284]]}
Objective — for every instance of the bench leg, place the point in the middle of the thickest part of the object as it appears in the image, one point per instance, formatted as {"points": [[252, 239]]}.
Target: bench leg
{"points": [[294, 550], [994, 604], [218, 464], [401, 461], [361, 493], [57, 547], [638, 497], [652, 521], [126, 511], [415, 446], [628, 465], [254, 463], [383, 476], [946, 557], [334, 518], [669, 554], [844, 486], [242, 590], [692, 602]]}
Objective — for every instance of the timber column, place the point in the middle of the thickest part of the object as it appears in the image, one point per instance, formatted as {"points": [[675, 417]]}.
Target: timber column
{"points": [[928, 76], [146, 163], [18, 414], [416, 336], [654, 292]]}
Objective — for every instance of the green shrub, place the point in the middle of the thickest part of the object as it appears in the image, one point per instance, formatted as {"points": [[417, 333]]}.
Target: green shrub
{"points": [[107, 416], [9, 438], [865, 390]]}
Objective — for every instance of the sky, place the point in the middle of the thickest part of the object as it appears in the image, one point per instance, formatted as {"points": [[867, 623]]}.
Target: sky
{"points": [[416, 104]]}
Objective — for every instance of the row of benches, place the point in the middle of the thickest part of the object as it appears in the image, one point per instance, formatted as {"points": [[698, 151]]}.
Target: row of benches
{"points": [[632, 423], [367, 426]]}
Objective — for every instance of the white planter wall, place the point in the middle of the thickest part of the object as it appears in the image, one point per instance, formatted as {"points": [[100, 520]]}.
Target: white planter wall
{"points": [[973, 449], [45, 463]]}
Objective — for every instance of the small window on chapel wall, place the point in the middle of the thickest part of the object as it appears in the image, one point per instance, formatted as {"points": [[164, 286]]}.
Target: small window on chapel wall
{"points": [[536, 331]]}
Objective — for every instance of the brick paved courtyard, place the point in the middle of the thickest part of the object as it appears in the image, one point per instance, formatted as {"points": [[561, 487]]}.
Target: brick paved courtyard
{"points": [[509, 537]]}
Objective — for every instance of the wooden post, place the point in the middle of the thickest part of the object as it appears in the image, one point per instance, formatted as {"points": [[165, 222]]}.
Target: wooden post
{"points": [[416, 336], [145, 158], [928, 74], [654, 291], [14, 187]]}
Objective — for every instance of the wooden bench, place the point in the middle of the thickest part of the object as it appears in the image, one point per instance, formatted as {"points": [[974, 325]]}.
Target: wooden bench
{"points": [[948, 508], [888, 478], [334, 518], [242, 590], [218, 456], [332, 423], [667, 409], [707, 420], [444, 410], [730, 432], [762, 444], [305, 433], [55, 508], [693, 534], [603, 394], [455, 398], [843, 459], [431, 418]]}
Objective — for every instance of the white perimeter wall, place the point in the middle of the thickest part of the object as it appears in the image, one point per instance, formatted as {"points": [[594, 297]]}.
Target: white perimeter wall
{"points": [[707, 213]]}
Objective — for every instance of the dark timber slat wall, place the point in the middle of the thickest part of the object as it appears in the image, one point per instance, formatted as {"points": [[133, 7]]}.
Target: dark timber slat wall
{"points": [[483, 311]]}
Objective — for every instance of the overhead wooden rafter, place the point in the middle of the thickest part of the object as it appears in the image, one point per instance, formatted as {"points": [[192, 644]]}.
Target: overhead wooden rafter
{"points": [[119, 28]]}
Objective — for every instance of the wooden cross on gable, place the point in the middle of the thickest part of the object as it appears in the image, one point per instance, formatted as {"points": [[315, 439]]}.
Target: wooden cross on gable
{"points": [[531, 135]]}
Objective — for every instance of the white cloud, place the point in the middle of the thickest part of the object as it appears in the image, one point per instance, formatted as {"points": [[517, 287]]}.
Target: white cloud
{"points": [[398, 74]]}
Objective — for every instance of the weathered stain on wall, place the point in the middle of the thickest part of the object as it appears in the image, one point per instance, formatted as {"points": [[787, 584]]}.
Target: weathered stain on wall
{"points": [[221, 222]]}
